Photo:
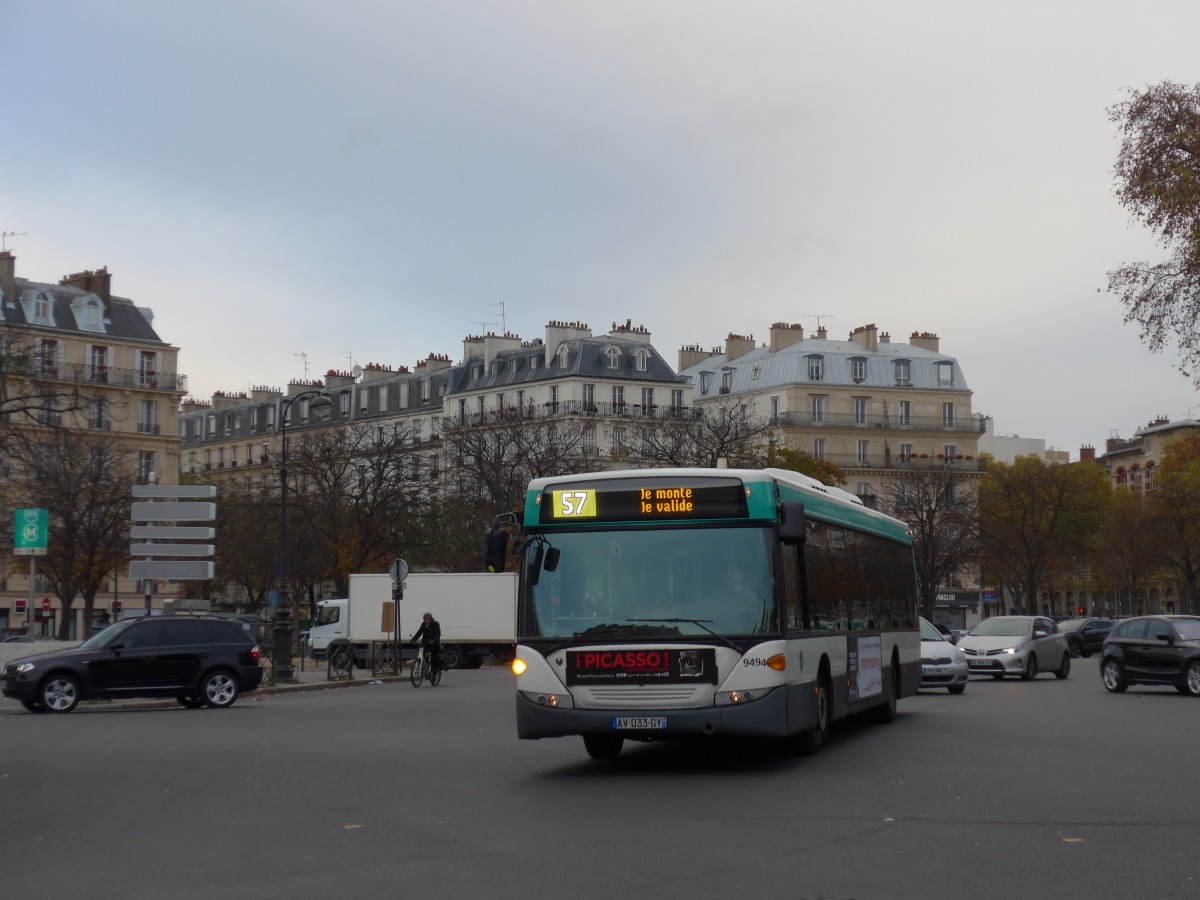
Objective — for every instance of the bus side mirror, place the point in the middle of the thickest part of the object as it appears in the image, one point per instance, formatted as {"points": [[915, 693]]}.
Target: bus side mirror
{"points": [[495, 549], [791, 524], [552, 559]]}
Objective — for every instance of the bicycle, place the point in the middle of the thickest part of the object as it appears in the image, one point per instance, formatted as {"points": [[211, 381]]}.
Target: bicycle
{"points": [[423, 668]]}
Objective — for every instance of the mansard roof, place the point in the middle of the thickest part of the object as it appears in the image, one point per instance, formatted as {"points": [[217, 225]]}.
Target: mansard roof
{"points": [[763, 369], [587, 357], [122, 319]]}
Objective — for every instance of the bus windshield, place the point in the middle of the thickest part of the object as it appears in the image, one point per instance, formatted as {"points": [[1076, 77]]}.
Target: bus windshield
{"points": [[627, 583]]}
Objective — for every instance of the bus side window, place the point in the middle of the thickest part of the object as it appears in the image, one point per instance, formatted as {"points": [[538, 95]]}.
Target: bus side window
{"points": [[792, 599]]}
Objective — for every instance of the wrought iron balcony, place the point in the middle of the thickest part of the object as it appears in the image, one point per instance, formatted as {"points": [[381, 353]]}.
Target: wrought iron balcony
{"points": [[806, 419], [108, 375]]}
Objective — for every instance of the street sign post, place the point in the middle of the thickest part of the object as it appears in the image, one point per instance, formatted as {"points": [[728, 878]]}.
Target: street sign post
{"points": [[31, 537], [163, 505]]}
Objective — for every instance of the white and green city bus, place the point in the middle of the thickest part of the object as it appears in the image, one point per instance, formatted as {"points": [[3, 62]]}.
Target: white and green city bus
{"points": [[668, 604]]}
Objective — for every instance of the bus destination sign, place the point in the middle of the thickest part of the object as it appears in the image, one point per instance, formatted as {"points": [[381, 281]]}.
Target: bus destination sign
{"points": [[642, 666], [647, 499]]}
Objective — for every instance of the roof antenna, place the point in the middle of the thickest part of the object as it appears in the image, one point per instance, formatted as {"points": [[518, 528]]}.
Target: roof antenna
{"points": [[304, 358], [503, 318], [817, 316], [5, 235]]}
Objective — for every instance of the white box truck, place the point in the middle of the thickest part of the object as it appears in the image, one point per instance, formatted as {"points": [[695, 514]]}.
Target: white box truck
{"points": [[477, 612]]}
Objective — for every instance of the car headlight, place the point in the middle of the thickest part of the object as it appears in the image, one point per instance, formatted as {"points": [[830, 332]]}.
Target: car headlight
{"points": [[960, 654], [21, 668]]}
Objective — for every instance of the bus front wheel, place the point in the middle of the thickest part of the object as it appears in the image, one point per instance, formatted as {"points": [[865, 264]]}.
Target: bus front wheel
{"points": [[807, 743], [603, 746]]}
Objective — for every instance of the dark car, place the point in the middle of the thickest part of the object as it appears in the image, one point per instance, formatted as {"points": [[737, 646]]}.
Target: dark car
{"points": [[1153, 650], [198, 660], [1085, 636]]}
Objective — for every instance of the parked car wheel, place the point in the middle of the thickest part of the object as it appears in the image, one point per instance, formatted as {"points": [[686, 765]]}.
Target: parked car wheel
{"points": [[218, 689], [190, 702], [956, 688], [1076, 648], [59, 693], [33, 706], [1031, 670], [1191, 680], [1113, 677], [1065, 669]]}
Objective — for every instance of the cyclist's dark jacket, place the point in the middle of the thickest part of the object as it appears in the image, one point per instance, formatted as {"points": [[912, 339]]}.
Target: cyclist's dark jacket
{"points": [[429, 634]]}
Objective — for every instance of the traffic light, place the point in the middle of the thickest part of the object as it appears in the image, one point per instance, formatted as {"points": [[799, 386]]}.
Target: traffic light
{"points": [[495, 549], [1081, 610]]}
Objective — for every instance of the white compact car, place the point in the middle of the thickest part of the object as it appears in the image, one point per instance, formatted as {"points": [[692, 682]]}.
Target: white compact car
{"points": [[1016, 645], [942, 664]]}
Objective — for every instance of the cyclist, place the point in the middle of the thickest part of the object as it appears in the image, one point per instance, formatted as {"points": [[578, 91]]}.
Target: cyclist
{"points": [[430, 636]]}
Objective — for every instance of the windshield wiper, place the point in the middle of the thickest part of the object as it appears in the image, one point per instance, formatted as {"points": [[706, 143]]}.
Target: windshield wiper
{"points": [[698, 622]]}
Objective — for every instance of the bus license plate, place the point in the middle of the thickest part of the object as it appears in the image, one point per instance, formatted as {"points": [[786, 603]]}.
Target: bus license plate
{"points": [[639, 723]]}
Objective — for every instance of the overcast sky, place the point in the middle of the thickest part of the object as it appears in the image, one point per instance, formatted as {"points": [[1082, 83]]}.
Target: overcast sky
{"points": [[367, 182]]}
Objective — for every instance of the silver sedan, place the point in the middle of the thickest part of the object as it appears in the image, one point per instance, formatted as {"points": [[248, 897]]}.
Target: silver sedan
{"points": [[1016, 645]]}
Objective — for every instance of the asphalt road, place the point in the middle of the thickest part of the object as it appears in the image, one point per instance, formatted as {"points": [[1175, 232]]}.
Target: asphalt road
{"points": [[1042, 789]]}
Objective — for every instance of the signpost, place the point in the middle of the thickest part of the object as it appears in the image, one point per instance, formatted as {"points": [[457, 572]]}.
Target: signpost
{"points": [[165, 505], [31, 537]]}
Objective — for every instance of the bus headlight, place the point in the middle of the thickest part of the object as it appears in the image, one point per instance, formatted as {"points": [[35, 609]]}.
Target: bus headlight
{"points": [[551, 701], [518, 666]]}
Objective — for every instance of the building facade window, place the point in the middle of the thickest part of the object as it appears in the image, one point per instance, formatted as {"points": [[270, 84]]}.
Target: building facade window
{"points": [[818, 410], [947, 415], [612, 357], [818, 448], [676, 399], [863, 456], [903, 372], [647, 399], [816, 368], [860, 411], [589, 396], [858, 370], [906, 454], [618, 398], [98, 364], [904, 413]]}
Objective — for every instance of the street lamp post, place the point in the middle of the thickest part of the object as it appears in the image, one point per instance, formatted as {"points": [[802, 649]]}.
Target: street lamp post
{"points": [[283, 612]]}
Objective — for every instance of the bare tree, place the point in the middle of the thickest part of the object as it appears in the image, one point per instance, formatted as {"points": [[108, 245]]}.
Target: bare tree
{"points": [[85, 481], [940, 504], [727, 428], [494, 455], [353, 492]]}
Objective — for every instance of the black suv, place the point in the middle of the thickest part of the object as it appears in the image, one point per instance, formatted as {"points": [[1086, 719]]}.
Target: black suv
{"points": [[1153, 650], [196, 659], [1085, 636]]}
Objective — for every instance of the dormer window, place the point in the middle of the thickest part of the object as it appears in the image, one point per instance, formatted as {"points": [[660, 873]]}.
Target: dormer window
{"points": [[91, 317], [41, 307], [858, 370], [641, 359], [563, 355], [533, 363], [903, 372], [726, 380], [512, 365], [612, 357], [705, 382], [945, 373], [816, 368]]}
